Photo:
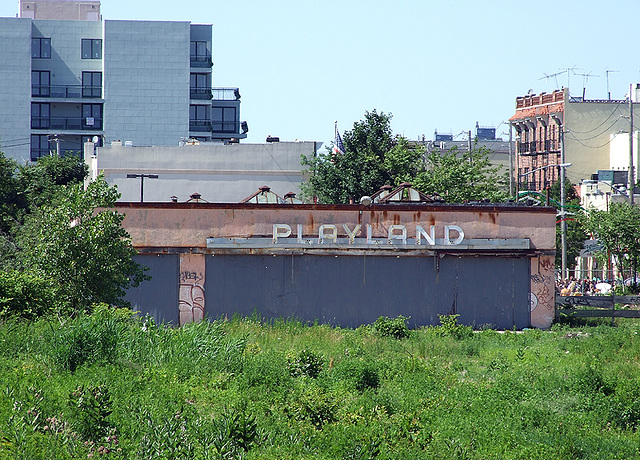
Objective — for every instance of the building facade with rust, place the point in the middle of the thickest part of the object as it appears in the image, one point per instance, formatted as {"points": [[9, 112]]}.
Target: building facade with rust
{"points": [[542, 120], [345, 265]]}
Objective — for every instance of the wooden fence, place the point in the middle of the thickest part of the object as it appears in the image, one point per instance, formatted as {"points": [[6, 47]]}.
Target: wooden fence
{"points": [[601, 306]]}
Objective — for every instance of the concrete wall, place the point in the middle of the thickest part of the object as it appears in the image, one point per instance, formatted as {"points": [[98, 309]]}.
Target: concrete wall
{"points": [[15, 87], [146, 81], [85, 10], [220, 173]]}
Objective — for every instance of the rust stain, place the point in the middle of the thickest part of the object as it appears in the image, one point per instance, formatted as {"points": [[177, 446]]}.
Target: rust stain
{"points": [[432, 219], [311, 221], [492, 217], [396, 219]]}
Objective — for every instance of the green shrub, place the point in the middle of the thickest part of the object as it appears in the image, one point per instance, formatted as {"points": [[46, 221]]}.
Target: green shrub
{"points": [[90, 408], [25, 295], [306, 362], [449, 327], [392, 327]]}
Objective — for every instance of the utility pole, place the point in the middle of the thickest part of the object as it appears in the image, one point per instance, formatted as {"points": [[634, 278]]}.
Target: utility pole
{"points": [[631, 181], [563, 222], [469, 141], [511, 172]]}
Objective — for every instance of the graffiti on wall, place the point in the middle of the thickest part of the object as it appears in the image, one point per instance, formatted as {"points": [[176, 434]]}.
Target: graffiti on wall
{"points": [[191, 295], [542, 302]]}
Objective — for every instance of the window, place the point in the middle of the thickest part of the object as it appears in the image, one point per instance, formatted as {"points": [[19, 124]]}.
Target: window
{"points": [[91, 116], [92, 84], [200, 56], [41, 48], [224, 119], [91, 48], [40, 83], [39, 146], [199, 118], [40, 115], [200, 84]]}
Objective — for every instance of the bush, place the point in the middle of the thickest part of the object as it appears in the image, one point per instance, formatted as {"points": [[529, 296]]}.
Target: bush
{"points": [[305, 363], [392, 327], [449, 327], [24, 295]]}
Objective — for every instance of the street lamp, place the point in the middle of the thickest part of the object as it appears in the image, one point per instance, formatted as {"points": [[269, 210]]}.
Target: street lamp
{"points": [[563, 222], [142, 176]]}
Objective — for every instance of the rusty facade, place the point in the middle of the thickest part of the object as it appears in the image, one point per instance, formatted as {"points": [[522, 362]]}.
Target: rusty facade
{"points": [[345, 264]]}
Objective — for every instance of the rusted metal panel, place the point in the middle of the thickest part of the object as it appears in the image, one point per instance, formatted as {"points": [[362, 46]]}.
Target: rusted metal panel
{"points": [[351, 291], [159, 296]]}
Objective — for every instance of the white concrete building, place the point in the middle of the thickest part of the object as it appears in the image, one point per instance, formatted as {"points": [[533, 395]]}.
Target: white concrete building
{"points": [[218, 173], [67, 76]]}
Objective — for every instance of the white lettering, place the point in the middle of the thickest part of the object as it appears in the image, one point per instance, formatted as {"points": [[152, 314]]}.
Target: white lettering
{"points": [[430, 238], [299, 233], [332, 235], [402, 235], [352, 234], [280, 230], [369, 232], [447, 235]]}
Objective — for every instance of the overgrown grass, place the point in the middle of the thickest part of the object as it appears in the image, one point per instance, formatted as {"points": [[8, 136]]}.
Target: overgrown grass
{"points": [[113, 385]]}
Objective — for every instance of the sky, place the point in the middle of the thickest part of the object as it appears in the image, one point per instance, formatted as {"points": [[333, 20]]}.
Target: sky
{"points": [[302, 65]]}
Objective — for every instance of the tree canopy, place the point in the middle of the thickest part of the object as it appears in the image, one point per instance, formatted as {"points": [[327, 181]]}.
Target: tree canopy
{"points": [[374, 157], [618, 229], [53, 228]]}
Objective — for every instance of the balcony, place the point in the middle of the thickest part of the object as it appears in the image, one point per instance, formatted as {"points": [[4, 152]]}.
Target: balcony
{"points": [[200, 126], [201, 60], [226, 94], [67, 123], [201, 93], [66, 91]]}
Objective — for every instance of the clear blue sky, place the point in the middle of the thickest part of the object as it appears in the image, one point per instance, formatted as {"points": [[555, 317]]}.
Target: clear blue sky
{"points": [[303, 64]]}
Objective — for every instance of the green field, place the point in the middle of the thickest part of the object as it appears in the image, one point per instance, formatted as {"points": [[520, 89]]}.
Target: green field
{"points": [[112, 385]]}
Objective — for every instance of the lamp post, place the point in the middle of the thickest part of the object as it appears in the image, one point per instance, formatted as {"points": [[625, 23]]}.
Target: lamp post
{"points": [[142, 176], [563, 223]]}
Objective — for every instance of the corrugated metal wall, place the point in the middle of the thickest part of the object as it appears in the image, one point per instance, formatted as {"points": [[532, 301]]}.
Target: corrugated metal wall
{"points": [[159, 296], [353, 290]]}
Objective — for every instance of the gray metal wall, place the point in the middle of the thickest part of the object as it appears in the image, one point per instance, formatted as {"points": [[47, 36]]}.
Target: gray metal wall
{"points": [[159, 296], [350, 291]]}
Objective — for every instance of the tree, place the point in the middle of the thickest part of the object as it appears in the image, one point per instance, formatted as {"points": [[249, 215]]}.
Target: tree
{"points": [[83, 251], [618, 229], [373, 157], [462, 176]]}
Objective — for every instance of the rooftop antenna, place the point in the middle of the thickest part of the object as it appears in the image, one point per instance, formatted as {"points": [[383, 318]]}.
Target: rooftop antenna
{"points": [[568, 70], [585, 78], [554, 76], [607, 72]]}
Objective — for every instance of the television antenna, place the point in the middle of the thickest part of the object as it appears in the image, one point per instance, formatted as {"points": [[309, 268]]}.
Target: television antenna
{"points": [[607, 72], [585, 78], [554, 76]]}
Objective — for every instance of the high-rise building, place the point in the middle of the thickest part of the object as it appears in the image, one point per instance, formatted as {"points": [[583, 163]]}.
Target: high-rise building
{"points": [[67, 76]]}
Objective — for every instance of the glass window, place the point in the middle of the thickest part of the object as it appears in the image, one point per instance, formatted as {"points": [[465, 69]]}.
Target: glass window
{"points": [[224, 119], [39, 146], [40, 113], [41, 48], [91, 48], [91, 84], [92, 116], [40, 83]]}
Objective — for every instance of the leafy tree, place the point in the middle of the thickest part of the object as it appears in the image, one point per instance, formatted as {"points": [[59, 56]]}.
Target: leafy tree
{"points": [[9, 196], [39, 181], [462, 176], [619, 231], [373, 157], [84, 252]]}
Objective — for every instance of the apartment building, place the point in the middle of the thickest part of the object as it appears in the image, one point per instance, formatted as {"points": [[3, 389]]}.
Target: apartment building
{"points": [[67, 76], [542, 121]]}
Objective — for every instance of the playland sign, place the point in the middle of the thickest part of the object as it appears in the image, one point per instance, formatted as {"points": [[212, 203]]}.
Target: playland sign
{"points": [[397, 237]]}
